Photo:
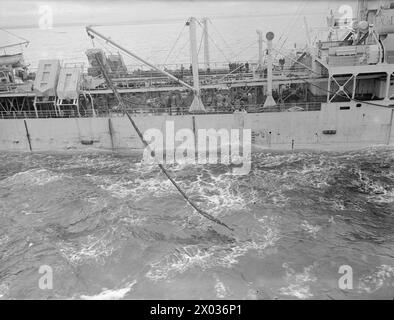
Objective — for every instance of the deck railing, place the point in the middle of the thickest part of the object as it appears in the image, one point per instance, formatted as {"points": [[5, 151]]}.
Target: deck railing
{"points": [[153, 111]]}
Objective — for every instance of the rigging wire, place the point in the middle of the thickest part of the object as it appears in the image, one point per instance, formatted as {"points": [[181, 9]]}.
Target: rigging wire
{"points": [[221, 36], [213, 41], [13, 34], [286, 31], [180, 51], [244, 49], [176, 41], [103, 44], [291, 23]]}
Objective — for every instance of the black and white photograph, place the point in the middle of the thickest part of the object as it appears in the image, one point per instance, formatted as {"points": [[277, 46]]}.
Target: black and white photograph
{"points": [[191, 150]]}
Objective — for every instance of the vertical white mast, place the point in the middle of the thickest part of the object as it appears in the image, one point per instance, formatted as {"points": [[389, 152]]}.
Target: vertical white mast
{"points": [[260, 33], [307, 34], [206, 43], [196, 105], [269, 101], [361, 9]]}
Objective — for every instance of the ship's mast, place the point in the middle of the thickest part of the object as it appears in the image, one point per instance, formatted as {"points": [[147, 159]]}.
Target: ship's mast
{"points": [[269, 101], [206, 43], [307, 33], [196, 105], [260, 34]]}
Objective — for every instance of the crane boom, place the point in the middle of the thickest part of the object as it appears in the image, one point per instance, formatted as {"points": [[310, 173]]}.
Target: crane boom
{"points": [[91, 31]]}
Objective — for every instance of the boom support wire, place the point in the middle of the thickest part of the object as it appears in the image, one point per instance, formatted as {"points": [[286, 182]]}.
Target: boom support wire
{"points": [[140, 135], [221, 36], [213, 41], [173, 46], [24, 41]]}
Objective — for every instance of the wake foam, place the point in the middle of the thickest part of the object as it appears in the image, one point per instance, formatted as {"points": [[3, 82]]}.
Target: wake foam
{"points": [[299, 283], [96, 249], [383, 276], [33, 177], [195, 256], [108, 294]]}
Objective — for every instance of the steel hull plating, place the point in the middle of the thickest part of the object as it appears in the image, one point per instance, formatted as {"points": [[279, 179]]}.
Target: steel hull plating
{"points": [[334, 127]]}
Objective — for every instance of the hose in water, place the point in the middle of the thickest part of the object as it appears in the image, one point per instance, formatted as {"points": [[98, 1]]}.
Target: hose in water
{"points": [[123, 106]]}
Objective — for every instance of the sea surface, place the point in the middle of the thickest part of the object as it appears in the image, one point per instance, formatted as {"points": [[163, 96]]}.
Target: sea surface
{"points": [[111, 227]]}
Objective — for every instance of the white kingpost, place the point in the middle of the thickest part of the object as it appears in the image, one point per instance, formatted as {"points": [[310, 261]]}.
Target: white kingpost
{"points": [[35, 107], [307, 33], [206, 43], [269, 101], [260, 33], [387, 91], [197, 105], [354, 85]]}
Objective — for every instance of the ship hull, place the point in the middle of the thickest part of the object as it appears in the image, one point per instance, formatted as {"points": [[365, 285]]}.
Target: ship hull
{"points": [[337, 126]]}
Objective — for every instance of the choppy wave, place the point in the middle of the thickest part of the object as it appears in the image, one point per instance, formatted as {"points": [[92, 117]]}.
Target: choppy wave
{"points": [[195, 256], [94, 248], [32, 177], [102, 218]]}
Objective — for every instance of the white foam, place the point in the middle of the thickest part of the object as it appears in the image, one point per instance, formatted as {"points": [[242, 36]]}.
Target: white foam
{"points": [[312, 230], [369, 186], [386, 197], [193, 256], [377, 279], [299, 283], [3, 289], [94, 248], [29, 212], [32, 177], [220, 288], [338, 205], [221, 193], [108, 294], [138, 188], [4, 239]]}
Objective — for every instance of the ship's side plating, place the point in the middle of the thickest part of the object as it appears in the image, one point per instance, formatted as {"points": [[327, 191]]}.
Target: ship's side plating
{"points": [[335, 126]]}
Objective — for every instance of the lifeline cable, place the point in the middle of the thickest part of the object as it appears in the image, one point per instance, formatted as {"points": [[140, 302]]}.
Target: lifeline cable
{"points": [[120, 100]]}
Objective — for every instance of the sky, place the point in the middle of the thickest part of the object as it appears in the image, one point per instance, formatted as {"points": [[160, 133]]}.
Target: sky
{"points": [[30, 13]]}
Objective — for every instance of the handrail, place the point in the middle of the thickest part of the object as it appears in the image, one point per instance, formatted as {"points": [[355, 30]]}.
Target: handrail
{"points": [[153, 111]]}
